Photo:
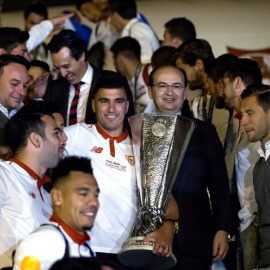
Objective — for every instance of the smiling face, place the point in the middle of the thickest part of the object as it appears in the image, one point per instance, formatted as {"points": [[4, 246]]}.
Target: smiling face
{"points": [[255, 120], [70, 68], [62, 135], [13, 85], [111, 106], [77, 202], [169, 101]]}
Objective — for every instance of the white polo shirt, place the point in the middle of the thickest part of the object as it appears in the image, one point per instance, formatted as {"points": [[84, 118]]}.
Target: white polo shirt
{"points": [[22, 208], [117, 183], [47, 244]]}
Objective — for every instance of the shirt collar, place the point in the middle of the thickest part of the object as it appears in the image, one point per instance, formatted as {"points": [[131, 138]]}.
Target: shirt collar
{"points": [[267, 151], [40, 181], [8, 114], [112, 139], [129, 24], [87, 77], [76, 237]]}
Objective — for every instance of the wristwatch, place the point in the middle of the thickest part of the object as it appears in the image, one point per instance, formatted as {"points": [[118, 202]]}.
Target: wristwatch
{"points": [[175, 222]]}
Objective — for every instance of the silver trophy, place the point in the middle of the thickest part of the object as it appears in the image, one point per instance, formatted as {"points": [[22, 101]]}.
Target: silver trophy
{"points": [[159, 144]]}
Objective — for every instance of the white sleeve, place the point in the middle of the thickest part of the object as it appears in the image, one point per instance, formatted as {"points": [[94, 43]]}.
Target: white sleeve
{"points": [[38, 33], [46, 246], [142, 34]]}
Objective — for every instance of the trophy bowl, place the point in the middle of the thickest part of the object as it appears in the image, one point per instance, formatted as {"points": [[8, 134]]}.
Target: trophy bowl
{"points": [[138, 255]]}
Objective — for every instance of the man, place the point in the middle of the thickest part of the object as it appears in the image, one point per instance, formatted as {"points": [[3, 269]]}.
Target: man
{"points": [[124, 19], [24, 204], [13, 84], [126, 54], [256, 122], [17, 42], [202, 237], [34, 13], [241, 155], [177, 31], [108, 144], [196, 58], [71, 92], [75, 203]]}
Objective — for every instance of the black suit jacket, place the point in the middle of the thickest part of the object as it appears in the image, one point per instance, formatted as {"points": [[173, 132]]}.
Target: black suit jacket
{"points": [[57, 92], [3, 122], [203, 168]]}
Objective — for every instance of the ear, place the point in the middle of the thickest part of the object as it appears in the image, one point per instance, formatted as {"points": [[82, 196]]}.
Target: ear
{"points": [[150, 92], [2, 51], [93, 105], [127, 106], [199, 66], [35, 139], [177, 42], [82, 57], [238, 85], [56, 196]]}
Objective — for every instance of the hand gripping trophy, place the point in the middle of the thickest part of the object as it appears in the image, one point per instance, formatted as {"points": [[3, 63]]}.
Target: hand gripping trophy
{"points": [[159, 144]]}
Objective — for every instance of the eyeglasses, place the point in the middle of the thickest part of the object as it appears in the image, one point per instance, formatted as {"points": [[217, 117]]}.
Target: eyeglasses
{"points": [[162, 87]]}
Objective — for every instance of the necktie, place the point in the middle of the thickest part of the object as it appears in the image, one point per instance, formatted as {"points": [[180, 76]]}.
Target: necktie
{"points": [[74, 105]]}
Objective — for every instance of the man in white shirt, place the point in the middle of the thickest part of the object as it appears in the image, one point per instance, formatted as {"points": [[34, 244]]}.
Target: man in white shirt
{"points": [[107, 143], [24, 203], [256, 122], [124, 19], [241, 155], [74, 197]]}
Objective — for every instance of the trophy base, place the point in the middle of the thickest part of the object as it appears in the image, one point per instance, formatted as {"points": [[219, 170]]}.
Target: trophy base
{"points": [[137, 255]]}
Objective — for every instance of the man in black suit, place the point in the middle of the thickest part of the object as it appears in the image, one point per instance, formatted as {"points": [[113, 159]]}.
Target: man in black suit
{"points": [[204, 218], [68, 56], [13, 84]]}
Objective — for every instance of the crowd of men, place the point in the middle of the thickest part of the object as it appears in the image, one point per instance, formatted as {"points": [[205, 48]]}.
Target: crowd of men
{"points": [[68, 186]]}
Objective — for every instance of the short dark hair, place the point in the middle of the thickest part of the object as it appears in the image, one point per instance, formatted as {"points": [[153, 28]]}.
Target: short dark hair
{"points": [[220, 65], [38, 8], [128, 46], [81, 263], [163, 56], [261, 92], [7, 59], [11, 37], [41, 64], [248, 70], [69, 39], [192, 50], [151, 76], [181, 28], [113, 80], [20, 126], [79, 3], [72, 163], [40, 106], [127, 9]]}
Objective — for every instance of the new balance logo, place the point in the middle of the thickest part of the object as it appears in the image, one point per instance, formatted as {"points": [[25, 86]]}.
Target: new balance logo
{"points": [[96, 149]]}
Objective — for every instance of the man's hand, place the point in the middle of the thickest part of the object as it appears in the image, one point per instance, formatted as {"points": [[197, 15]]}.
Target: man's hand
{"points": [[163, 239], [59, 22], [220, 246], [40, 85]]}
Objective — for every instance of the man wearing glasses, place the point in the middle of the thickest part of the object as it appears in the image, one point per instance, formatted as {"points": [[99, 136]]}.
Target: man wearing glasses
{"points": [[204, 220]]}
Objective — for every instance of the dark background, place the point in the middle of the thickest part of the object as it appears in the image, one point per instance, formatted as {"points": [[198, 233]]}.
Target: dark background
{"points": [[13, 5]]}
